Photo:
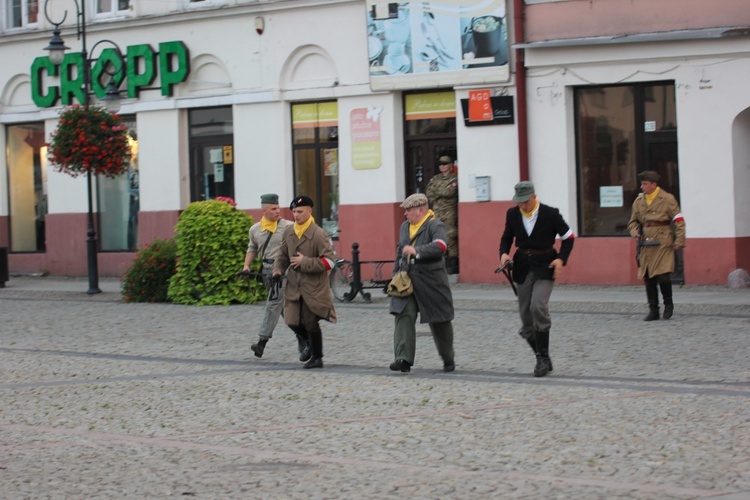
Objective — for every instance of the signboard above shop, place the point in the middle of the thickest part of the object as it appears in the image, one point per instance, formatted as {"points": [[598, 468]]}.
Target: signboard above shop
{"points": [[432, 44]]}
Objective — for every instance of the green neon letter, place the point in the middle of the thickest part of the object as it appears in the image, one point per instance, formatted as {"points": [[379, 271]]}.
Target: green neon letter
{"points": [[72, 87], [173, 54], [108, 59], [43, 101], [137, 53]]}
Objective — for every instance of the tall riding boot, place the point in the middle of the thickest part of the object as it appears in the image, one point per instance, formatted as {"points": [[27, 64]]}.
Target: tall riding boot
{"points": [[529, 336], [316, 350], [543, 361], [652, 294], [665, 284]]}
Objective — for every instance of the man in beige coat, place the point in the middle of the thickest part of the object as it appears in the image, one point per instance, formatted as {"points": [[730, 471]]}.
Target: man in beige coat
{"points": [[306, 257], [656, 220]]}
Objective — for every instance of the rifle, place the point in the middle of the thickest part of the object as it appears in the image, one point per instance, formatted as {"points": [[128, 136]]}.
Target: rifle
{"points": [[507, 270], [274, 284], [640, 243]]}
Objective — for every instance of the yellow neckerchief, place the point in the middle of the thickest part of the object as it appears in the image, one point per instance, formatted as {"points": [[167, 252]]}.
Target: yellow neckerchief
{"points": [[299, 229], [267, 225], [529, 214], [413, 228], [650, 197]]}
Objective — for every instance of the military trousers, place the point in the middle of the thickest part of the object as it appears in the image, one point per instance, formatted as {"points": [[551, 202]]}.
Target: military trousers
{"points": [[533, 305], [405, 335], [274, 306]]}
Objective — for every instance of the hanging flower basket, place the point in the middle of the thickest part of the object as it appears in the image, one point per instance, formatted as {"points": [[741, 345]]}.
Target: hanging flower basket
{"points": [[90, 139]]}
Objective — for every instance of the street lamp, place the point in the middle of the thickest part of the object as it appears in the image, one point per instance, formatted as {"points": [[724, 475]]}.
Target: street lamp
{"points": [[111, 101]]}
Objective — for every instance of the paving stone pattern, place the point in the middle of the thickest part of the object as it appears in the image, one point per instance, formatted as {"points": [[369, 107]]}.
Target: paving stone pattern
{"points": [[102, 399]]}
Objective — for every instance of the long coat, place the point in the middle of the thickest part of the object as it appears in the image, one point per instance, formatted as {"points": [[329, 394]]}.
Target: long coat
{"points": [[428, 275], [310, 281], [659, 259]]}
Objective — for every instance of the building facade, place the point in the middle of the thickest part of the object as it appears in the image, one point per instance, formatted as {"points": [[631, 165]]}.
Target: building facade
{"points": [[353, 102]]}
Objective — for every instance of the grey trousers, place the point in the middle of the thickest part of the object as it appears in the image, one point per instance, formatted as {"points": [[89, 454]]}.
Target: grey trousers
{"points": [[405, 335], [533, 305], [273, 310]]}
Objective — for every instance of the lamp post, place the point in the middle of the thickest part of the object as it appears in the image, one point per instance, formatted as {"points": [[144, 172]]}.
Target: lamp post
{"points": [[111, 101]]}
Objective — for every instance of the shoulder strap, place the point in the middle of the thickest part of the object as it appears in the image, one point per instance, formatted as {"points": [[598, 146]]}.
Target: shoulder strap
{"points": [[263, 250]]}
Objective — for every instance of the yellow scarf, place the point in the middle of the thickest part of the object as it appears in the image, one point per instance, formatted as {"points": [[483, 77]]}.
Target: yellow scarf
{"points": [[650, 197], [299, 229], [267, 225], [413, 228], [529, 214]]}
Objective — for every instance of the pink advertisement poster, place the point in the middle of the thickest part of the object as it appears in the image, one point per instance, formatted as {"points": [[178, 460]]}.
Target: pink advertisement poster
{"points": [[366, 151]]}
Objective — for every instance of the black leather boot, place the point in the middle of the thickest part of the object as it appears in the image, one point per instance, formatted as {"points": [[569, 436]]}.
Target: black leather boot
{"points": [[652, 294], [543, 361], [665, 285], [315, 350], [529, 338], [259, 347], [303, 347]]}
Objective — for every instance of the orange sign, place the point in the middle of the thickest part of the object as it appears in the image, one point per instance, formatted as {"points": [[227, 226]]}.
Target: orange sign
{"points": [[480, 107]]}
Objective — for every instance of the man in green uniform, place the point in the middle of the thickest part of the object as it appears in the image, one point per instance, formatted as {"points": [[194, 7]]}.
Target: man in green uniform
{"points": [[442, 190], [656, 218]]}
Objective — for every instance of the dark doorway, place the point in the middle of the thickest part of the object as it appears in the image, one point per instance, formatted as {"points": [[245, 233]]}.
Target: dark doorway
{"points": [[212, 168], [421, 161]]}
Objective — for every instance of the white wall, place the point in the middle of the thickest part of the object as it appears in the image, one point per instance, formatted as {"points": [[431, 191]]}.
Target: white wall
{"points": [[162, 160], [710, 93]]}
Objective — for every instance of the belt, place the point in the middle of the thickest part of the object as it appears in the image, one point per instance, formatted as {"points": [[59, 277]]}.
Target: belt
{"points": [[268, 261], [654, 223], [533, 251]]}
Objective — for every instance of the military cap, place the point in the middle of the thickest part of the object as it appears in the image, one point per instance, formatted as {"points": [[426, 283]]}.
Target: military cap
{"points": [[445, 160], [415, 200], [524, 190], [301, 201], [269, 199], [649, 176]]}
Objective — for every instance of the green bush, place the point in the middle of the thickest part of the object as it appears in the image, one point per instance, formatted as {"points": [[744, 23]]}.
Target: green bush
{"points": [[147, 279], [211, 247]]}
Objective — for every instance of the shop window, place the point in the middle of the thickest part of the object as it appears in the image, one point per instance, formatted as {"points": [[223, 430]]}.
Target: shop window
{"points": [[622, 130], [111, 7], [119, 202], [21, 13], [27, 186], [211, 153], [315, 143]]}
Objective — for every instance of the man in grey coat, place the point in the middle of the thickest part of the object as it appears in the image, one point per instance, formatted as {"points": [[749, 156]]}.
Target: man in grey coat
{"points": [[422, 240]]}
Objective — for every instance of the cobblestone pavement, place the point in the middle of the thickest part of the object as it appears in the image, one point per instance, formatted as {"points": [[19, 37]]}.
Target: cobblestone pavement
{"points": [[102, 399]]}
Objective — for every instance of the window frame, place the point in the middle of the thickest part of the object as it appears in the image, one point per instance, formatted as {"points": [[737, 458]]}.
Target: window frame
{"points": [[25, 23]]}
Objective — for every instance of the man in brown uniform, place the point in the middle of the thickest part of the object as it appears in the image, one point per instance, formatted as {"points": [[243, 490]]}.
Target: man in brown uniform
{"points": [[656, 218], [442, 190], [306, 252]]}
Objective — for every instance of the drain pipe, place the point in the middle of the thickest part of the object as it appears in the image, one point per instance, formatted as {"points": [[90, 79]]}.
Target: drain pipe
{"points": [[520, 64]]}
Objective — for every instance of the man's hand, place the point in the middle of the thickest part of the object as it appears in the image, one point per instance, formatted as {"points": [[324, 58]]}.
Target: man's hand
{"points": [[557, 264], [677, 246], [409, 250], [296, 260], [503, 259]]}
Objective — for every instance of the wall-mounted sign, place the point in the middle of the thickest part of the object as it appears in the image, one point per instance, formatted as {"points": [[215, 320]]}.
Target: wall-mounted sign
{"points": [[140, 61], [480, 108], [501, 108], [429, 44], [366, 150]]}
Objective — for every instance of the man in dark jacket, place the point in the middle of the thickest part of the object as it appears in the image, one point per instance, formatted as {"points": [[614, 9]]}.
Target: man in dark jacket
{"points": [[422, 240], [536, 264]]}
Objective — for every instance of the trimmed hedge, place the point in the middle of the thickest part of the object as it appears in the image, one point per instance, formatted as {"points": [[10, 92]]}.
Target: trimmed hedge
{"points": [[211, 247]]}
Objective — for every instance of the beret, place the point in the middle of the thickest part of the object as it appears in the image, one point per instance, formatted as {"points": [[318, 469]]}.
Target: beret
{"points": [[301, 201]]}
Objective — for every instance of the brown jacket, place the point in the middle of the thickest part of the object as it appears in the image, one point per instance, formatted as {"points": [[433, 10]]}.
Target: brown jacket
{"points": [[310, 281], [657, 259]]}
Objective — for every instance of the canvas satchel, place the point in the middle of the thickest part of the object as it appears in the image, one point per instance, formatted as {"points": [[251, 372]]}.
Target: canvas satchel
{"points": [[400, 285]]}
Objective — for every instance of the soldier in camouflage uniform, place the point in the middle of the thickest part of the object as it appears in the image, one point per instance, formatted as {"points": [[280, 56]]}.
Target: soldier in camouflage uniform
{"points": [[442, 191]]}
